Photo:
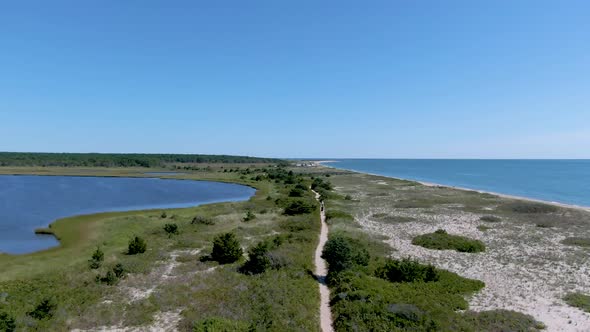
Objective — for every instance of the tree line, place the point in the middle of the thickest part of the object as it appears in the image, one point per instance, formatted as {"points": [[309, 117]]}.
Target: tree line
{"points": [[120, 160]]}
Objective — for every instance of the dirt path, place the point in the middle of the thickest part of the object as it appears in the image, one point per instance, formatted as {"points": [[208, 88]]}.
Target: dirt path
{"points": [[321, 271]]}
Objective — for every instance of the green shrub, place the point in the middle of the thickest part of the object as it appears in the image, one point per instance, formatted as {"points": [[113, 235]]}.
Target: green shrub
{"points": [[440, 240], [97, 257], [299, 207], [7, 323], [163, 215], [202, 220], [578, 300], [342, 253], [335, 214], [44, 310], [219, 325], [321, 184], [406, 270], [119, 270], [226, 248], [502, 320], [296, 192], [137, 245], [391, 219], [171, 229], [577, 241], [249, 216], [258, 259], [110, 278], [490, 219], [530, 207]]}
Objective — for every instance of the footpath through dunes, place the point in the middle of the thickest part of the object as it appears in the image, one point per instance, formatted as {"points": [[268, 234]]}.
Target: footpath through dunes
{"points": [[321, 272]]}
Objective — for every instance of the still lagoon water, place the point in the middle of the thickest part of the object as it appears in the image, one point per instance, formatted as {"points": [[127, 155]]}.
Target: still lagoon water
{"points": [[30, 202], [562, 181]]}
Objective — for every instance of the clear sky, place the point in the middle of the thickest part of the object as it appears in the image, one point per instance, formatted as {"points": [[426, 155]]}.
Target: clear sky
{"points": [[325, 79]]}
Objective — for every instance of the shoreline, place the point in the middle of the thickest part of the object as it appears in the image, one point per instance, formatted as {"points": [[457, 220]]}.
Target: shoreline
{"points": [[125, 210], [432, 184]]}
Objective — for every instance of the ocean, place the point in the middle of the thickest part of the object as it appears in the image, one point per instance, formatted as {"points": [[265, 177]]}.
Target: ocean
{"points": [[561, 181]]}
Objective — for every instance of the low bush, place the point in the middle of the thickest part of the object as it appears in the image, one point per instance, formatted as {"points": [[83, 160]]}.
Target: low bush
{"points": [[163, 215], [219, 325], [44, 310], [321, 184], [119, 270], [406, 270], [97, 257], [137, 245], [7, 322], [366, 303], [502, 320], [249, 216], [258, 260], [440, 240], [578, 300], [226, 248], [171, 229], [391, 219], [577, 241], [490, 219], [530, 207], [202, 221], [335, 214], [110, 278], [299, 207], [342, 253], [296, 192]]}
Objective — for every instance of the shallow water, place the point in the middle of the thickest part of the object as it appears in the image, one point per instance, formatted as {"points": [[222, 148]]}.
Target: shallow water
{"points": [[563, 181], [30, 202]]}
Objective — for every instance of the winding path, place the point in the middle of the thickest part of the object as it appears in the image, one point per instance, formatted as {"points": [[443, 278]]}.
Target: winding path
{"points": [[321, 272]]}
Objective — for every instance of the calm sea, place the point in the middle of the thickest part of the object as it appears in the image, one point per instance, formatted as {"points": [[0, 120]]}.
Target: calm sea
{"points": [[29, 202], [563, 181]]}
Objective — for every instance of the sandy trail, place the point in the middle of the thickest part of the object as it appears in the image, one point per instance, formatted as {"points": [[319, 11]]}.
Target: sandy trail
{"points": [[321, 271]]}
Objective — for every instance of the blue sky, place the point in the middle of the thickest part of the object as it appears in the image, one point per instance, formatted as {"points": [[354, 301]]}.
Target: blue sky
{"points": [[391, 79]]}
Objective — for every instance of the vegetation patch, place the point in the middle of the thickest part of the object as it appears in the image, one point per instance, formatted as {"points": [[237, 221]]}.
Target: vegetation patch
{"points": [[44, 231], [200, 220], [578, 300], [407, 270], [343, 253], [226, 248], [441, 240], [137, 245], [336, 214], [219, 325], [490, 219], [483, 228], [502, 320], [391, 219], [299, 207], [530, 207], [577, 241]]}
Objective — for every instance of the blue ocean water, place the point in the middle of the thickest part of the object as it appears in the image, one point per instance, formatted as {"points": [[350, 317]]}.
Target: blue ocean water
{"points": [[563, 181], [29, 202]]}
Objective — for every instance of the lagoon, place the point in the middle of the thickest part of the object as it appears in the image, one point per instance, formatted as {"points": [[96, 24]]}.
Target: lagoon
{"points": [[30, 202]]}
